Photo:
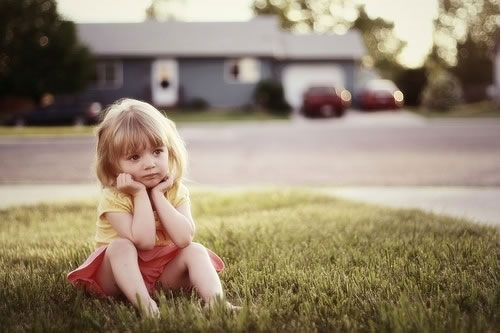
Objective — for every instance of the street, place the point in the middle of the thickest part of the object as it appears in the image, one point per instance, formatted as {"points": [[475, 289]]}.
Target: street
{"points": [[378, 149]]}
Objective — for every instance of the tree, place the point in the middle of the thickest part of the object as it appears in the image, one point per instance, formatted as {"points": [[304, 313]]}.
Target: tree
{"points": [[459, 20], [442, 92], [163, 10], [39, 51], [465, 37], [412, 81], [383, 46], [474, 68], [339, 16]]}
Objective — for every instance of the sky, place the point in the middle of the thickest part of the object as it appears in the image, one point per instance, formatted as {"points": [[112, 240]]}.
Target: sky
{"points": [[413, 19]]}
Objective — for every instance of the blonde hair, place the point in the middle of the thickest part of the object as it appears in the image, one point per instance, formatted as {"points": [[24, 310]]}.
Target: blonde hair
{"points": [[129, 125]]}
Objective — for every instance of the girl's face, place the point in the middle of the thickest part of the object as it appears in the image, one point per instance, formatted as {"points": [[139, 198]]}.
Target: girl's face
{"points": [[148, 166]]}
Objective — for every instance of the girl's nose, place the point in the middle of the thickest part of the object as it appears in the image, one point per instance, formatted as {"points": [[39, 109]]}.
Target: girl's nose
{"points": [[149, 162]]}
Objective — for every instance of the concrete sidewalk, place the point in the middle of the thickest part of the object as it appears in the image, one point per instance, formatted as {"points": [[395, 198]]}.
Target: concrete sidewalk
{"points": [[477, 204]]}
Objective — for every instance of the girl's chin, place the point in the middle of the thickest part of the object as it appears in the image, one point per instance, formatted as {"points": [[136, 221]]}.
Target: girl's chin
{"points": [[151, 184]]}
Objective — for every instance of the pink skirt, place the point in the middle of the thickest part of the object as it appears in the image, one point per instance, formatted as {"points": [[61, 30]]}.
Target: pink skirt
{"points": [[151, 264]]}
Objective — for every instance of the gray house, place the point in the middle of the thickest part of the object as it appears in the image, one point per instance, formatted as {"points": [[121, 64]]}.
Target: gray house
{"points": [[170, 63]]}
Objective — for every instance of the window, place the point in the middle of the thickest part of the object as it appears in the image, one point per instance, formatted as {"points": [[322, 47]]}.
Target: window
{"points": [[108, 74], [244, 70]]}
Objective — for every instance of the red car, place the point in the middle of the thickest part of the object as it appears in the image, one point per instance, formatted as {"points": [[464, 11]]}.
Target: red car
{"points": [[325, 101], [381, 94]]}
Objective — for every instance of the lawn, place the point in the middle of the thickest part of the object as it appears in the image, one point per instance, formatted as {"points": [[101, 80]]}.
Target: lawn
{"points": [[296, 261], [217, 115], [178, 116], [46, 131], [485, 109]]}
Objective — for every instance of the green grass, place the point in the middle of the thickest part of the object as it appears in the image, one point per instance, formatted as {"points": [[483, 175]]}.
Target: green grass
{"points": [[216, 115], [296, 261], [178, 116], [44, 131], [486, 109]]}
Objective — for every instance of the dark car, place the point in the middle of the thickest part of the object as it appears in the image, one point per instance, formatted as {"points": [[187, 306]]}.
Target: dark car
{"points": [[58, 113], [381, 94], [326, 101]]}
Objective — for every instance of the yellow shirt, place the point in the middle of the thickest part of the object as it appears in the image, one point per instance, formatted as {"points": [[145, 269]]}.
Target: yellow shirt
{"points": [[113, 200]]}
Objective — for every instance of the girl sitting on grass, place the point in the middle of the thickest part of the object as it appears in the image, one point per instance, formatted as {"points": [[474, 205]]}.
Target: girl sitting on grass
{"points": [[144, 227]]}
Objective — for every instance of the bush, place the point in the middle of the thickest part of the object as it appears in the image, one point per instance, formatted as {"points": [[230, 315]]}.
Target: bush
{"points": [[197, 103], [442, 92], [269, 95]]}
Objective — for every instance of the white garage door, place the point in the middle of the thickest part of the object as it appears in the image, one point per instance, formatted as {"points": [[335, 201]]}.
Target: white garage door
{"points": [[297, 78]]}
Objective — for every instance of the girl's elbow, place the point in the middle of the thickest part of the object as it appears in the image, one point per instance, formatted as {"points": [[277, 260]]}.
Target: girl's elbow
{"points": [[182, 243], [146, 245]]}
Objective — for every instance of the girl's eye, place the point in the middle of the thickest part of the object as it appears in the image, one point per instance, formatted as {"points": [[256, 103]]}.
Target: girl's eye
{"points": [[158, 151], [134, 157]]}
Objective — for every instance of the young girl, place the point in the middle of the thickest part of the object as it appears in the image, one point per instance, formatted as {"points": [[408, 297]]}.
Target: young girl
{"points": [[144, 227]]}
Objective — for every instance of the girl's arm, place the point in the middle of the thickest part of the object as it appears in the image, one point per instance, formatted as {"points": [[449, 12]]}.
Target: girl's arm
{"points": [[177, 222], [139, 227]]}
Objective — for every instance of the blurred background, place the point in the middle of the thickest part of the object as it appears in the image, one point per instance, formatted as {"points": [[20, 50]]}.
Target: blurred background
{"points": [[437, 53], [340, 93]]}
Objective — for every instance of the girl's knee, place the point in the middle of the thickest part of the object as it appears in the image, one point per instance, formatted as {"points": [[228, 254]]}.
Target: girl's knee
{"points": [[121, 246]]}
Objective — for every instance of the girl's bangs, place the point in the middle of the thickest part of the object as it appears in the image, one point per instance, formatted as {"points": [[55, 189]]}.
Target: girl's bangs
{"points": [[135, 135]]}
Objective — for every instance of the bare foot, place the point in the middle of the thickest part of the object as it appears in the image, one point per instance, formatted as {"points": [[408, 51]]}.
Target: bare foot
{"points": [[227, 305]]}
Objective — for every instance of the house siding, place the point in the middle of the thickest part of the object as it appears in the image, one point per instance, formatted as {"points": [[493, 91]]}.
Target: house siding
{"points": [[202, 78], [199, 78], [135, 84], [202, 61], [206, 79]]}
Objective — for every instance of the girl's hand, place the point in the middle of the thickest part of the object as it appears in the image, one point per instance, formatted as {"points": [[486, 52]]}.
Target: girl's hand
{"points": [[126, 184], [164, 185]]}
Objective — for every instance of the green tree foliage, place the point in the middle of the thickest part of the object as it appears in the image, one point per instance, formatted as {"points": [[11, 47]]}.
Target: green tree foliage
{"points": [[383, 46], [459, 20], [269, 95], [474, 68], [442, 92], [339, 16], [469, 57], [465, 39], [39, 51], [163, 10]]}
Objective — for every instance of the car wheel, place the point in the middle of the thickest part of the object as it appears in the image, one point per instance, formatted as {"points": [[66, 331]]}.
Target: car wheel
{"points": [[326, 110], [339, 113]]}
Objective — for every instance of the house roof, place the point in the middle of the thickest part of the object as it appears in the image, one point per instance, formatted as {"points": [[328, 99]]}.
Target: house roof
{"points": [[258, 37], [314, 46]]}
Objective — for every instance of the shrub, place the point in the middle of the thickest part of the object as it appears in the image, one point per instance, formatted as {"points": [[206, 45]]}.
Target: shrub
{"points": [[198, 103], [269, 95], [442, 92]]}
